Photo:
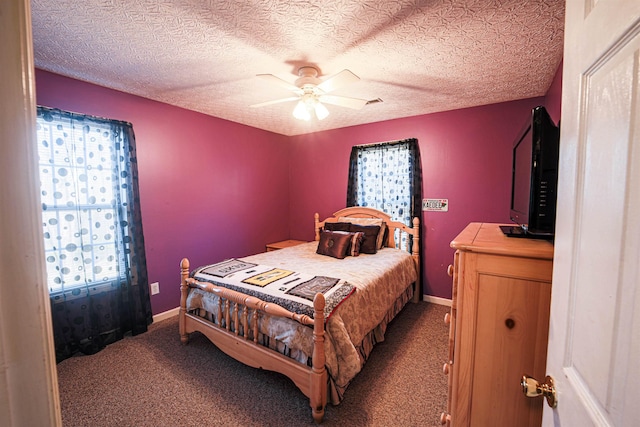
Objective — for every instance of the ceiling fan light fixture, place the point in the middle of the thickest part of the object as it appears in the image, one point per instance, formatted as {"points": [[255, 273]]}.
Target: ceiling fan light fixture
{"points": [[309, 106], [321, 110], [301, 112], [312, 93]]}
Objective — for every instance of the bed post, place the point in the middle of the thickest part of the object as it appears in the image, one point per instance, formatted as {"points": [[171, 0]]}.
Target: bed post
{"points": [[184, 290], [318, 392], [316, 220], [415, 253]]}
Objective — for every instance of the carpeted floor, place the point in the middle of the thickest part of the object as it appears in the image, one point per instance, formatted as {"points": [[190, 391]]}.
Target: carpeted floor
{"points": [[153, 380]]}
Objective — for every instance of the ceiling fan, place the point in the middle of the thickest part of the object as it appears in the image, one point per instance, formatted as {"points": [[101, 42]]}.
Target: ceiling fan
{"points": [[312, 92]]}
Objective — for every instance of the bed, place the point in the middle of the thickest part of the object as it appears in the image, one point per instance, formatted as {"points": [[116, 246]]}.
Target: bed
{"points": [[338, 307]]}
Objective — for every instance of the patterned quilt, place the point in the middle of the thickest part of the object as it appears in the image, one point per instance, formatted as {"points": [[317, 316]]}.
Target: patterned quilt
{"points": [[289, 289]]}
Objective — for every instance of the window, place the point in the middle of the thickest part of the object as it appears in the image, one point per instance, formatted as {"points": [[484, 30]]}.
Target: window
{"points": [[387, 176], [82, 195], [94, 245]]}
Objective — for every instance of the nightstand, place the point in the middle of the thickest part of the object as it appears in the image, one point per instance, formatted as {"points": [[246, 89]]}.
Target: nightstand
{"points": [[283, 244]]}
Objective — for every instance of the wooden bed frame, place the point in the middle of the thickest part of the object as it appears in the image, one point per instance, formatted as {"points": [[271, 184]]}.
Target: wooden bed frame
{"points": [[234, 307]]}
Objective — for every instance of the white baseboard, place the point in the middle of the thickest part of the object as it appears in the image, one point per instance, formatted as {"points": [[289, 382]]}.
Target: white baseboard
{"points": [[166, 314], [436, 300]]}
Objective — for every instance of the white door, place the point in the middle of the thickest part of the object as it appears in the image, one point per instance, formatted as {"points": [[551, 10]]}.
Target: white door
{"points": [[28, 377], [594, 336]]}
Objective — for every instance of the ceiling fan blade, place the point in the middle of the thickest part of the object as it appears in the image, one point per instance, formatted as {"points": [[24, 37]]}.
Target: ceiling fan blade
{"points": [[343, 101], [343, 78], [277, 80], [276, 101]]}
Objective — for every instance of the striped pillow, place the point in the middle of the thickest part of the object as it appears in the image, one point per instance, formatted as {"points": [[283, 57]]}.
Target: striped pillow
{"points": [[356, 241]]}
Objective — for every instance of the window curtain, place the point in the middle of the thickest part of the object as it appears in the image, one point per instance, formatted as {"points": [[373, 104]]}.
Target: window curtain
{"points": [[94, 245], [387, 176]]}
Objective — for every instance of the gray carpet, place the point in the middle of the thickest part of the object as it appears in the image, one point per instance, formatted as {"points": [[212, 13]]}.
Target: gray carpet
{"points": [[402, 384]]}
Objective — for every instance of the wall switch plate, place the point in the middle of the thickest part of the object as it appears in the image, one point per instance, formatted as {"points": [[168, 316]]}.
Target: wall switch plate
{"points": [[155, 288], [438, 205]]}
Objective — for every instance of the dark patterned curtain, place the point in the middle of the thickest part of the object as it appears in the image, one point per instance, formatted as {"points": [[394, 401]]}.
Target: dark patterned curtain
{"points": [[387, 176], [94, 246]]}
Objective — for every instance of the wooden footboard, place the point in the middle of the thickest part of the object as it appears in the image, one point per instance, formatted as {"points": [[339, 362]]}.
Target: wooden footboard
{"points": [[233, 333]]}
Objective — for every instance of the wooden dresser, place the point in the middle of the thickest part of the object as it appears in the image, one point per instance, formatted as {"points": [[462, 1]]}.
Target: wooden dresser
{"points": [[499, 325]]}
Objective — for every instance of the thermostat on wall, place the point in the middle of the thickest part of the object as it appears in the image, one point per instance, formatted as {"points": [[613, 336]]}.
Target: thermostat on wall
{"points": [[440, 205]]}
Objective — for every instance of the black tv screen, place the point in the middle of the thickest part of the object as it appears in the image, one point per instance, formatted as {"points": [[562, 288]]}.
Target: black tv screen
{"points": [[534, 178], [521, 192]]}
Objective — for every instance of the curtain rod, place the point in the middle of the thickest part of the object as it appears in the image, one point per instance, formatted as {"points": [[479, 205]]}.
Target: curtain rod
{"points": [[83, 116], [394, 142]]}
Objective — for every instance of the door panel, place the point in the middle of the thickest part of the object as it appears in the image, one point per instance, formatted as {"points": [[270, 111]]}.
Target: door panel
{"points": [[594, 334], [599, 251]]}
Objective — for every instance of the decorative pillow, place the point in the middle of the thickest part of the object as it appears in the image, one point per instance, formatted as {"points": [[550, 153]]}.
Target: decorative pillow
{"points": [[336, 226], [380, 242], [383, 236], [334, 243], [356, 242], [369, 243], [361, 221]]}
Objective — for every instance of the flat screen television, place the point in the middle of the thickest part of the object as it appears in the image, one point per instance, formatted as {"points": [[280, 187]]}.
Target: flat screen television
{"points": [[534, 178]]}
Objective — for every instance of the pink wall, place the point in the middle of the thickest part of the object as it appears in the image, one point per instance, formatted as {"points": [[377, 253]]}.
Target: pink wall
{"points": [[466, 158], [238, 175], [553, 98], [243, 176]]}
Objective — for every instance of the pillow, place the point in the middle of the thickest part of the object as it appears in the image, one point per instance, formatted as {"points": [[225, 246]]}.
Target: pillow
{"points": [[380, 242], [361, 221], [383, 236], [369, 243], [356, 242], [334, 243], [336, 226]]}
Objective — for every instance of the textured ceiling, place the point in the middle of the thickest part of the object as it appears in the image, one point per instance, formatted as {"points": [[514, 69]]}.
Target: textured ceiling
{"points": [[417, 56]]}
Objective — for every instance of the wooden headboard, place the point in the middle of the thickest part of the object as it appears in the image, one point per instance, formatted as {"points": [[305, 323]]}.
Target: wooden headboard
{"points": [[363, 212]]}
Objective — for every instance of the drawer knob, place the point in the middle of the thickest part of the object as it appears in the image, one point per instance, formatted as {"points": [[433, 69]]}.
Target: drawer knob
{"points": [[450, 270]]}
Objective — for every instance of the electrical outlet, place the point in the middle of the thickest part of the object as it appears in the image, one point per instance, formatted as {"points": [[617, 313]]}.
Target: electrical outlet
{"points": [[155, 288]]}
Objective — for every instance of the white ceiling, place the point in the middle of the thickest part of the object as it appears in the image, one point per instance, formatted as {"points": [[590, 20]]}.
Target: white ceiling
{"points": [[419, 57]]}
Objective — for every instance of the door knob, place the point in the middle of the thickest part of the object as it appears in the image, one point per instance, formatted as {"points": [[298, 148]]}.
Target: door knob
{"points": [[532, 388]]}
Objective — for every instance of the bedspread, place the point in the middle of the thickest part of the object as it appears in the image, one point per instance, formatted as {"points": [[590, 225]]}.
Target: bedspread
{"points": [[289, 289], [380, 280]]}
